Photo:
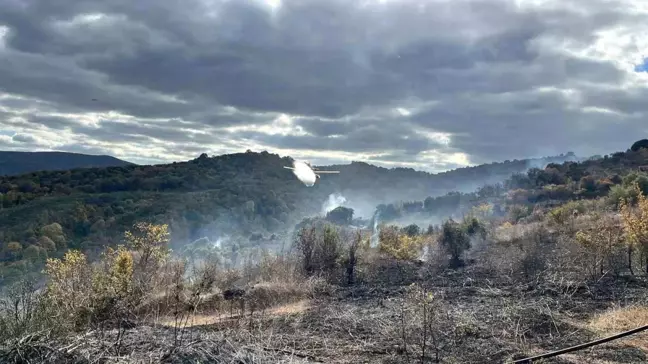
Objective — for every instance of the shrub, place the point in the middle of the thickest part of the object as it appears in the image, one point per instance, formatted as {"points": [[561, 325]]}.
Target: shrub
{"points": [[563, 216], [340, 215], [635, 226], [150, 241], [455, 241], [69, 286], [399, 246], [319, 254], [412, 230], [601, 241], [330, 249], [305, 244]]}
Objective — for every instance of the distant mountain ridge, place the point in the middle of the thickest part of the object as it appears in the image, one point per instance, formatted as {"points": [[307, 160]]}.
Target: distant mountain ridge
{"points": [[15, 163]]}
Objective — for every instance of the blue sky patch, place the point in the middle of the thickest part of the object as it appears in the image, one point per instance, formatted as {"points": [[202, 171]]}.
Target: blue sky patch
{"points": [[642, 67]]}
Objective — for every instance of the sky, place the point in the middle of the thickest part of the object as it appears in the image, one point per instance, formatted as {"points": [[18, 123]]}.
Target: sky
{"points": [[432, 85]]}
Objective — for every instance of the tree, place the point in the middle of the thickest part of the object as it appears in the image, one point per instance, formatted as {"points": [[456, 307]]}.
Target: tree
{"points": [[54, 232], [329, 249], [640, 144], [399, 246], [600, 242], [13, 250], [588, 183], [340, 215], [69, 285], [412, 230], [150, 241], [305, 244], [473, 227], [640, 179], [115, 280], [351, 260], [47, 244], [35, 254], [635, 226], [455, 241]]}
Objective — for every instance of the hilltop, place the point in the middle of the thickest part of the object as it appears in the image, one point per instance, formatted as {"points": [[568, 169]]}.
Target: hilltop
{"points": [[16, 163]]}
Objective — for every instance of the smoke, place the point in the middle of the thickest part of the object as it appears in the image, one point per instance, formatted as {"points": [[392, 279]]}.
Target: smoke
{"points": [[425, 254], [374, 232], [219, 242], [334, 200]]}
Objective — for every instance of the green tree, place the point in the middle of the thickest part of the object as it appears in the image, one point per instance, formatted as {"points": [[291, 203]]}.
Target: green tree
{"points": [[55, 232], [412, 230], [150, 241], [640, 144], [47, 244], [330, 249], [399, 246], [340, 215], [640, 179], [35, 254], [455, 241], [13, 250], [635, 226]]}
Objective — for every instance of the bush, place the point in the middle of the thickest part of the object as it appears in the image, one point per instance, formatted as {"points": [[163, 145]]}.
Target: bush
{"points": [[399, 246], [601, 242], [319, 253], [150, 241], [68, 291], [412, 230], [635, 226], [455, 241], [340, 215]]}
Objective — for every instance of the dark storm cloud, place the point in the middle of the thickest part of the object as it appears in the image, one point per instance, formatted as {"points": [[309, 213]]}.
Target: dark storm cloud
{"points": [[149, 71]]}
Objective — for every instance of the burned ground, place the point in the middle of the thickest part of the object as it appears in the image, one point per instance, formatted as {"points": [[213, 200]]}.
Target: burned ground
{"points": [[477, 317]]}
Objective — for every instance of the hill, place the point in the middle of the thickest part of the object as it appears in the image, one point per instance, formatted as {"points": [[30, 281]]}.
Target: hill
{"points": [[237, 196], [15, 163]]}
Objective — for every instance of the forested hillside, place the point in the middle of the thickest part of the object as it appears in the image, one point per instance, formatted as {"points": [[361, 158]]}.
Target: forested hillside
{"points": [[15, 163], [520, 194], [42, 214]]}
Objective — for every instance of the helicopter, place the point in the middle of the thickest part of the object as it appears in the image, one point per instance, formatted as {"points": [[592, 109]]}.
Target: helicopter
{"points": [[305, 173]]}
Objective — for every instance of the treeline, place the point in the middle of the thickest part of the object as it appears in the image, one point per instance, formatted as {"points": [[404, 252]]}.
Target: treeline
{"points": [[612, 174], [241, 174]]}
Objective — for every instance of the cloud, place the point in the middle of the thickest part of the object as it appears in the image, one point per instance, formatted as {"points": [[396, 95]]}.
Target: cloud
{"points": [[23, 138], [424, 84]]}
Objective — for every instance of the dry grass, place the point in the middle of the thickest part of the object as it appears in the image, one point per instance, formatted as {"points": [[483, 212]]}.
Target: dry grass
{"points": [[621, 319], [204, 319]]}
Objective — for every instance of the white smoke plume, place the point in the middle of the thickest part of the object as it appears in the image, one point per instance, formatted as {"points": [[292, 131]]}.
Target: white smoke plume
{"points": [[374, 234], [334, 200], [219, 242]]}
